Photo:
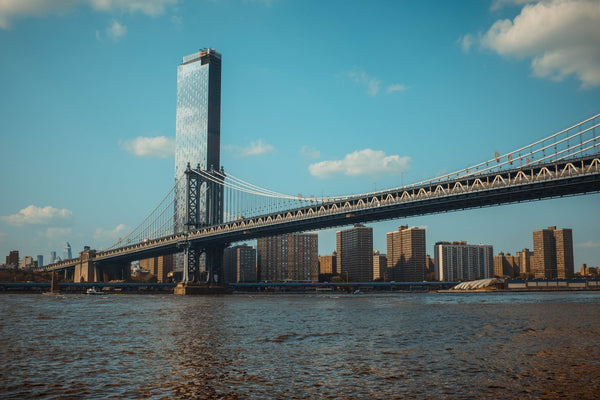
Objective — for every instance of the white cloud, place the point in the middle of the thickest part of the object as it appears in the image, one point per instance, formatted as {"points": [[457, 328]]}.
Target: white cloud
{"points": [[562, 37], [37, 215], [257, 148], [363, 162], [361, 77], [588, 245], [115, 30], [110, 234], [309, 152], [397, 87], [13, 9], [158, 146], [466, 42]]}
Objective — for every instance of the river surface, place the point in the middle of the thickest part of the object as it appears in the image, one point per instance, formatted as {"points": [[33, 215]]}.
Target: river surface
{"points": [[322, 346]]}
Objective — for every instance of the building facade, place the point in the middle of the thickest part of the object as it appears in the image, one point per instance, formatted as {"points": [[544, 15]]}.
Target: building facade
{"points": [[12, 259], [526, 263], [459, 261], [292, 257], [159, 266], [355, 253], [553, 253], [406, 256], [239, 264], [379, 266], [506, 265], [327, 267]]}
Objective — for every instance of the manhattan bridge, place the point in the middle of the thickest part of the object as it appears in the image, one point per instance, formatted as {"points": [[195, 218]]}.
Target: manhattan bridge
{"points": [[221, 208]]}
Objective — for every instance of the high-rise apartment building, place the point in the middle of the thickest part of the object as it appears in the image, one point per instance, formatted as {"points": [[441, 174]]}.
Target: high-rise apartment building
{"points": [[159, 266], [52, 257], [506, 265], [379, 265], [12, 259], [293, 257], [239, 264], [553, 253], [526, 262], [40, 260], [406, 258], [462, 261], [355, 253], [328, 264]]}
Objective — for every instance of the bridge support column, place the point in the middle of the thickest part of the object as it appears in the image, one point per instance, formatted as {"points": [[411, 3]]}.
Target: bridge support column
{"points": [[214, 263]]}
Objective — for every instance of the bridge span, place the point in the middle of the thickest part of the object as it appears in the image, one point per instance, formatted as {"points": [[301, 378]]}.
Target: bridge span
{"points": [[529, 182]]}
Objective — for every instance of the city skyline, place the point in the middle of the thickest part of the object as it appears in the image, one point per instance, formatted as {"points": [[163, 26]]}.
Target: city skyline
{"points": [[87, 167]]}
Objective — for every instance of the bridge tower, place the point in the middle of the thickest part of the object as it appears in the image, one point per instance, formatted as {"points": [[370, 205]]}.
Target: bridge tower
{"points": [[198, 216]]}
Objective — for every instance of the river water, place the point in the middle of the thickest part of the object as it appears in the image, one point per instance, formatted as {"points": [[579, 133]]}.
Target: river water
{"points": [[322, 346]]}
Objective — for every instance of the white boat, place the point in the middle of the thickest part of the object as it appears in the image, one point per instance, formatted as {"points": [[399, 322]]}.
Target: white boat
{"points": [[93, 290]]}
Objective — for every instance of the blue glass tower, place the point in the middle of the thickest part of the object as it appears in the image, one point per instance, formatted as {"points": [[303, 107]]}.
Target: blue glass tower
{"points": [[198, 121]]}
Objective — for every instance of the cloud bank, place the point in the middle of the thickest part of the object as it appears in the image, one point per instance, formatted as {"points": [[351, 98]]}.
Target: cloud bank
{"points": [[561, 37], [365, 162], [158, 146], [37, 215]]}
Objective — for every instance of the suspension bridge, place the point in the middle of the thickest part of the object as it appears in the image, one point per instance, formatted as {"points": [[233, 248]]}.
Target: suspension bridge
{"points": [[221, 209]]}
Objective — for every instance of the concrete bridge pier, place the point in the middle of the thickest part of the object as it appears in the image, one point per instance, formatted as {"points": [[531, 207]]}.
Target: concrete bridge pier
{"points": [[85, 269], [214, 263]]}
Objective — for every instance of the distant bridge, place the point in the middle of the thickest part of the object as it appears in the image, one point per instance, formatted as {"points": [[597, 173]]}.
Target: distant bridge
{"points": [[564, 164]]}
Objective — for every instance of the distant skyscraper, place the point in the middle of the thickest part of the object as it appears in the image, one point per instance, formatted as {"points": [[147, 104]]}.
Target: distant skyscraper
{"points": [[291, 257], [52, 257], [406, 254], [67, 253], [355, 253], [40, 260], [462, 261], [198, 120], [553, 253], [239, 264]]}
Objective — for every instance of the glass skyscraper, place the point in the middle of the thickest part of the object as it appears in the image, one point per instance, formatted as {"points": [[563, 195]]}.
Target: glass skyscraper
{"points": [[198, 121]]}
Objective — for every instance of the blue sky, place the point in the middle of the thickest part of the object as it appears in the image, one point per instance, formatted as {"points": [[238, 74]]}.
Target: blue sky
{"points": [[88, 95]]}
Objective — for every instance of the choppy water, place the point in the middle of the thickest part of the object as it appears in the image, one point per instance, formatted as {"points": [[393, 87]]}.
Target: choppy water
{"points": [[526, 345]]}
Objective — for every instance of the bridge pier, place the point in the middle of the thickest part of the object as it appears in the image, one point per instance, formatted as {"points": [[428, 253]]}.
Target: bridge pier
{"points": [[88, 270], [85, 269]]}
